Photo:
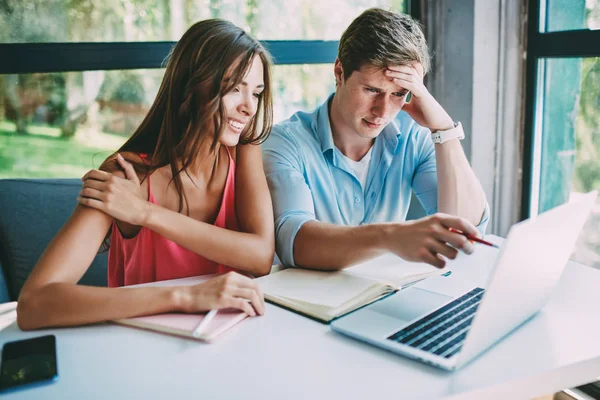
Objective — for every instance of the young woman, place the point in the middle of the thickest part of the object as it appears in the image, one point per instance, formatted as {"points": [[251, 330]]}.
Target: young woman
{"points": [[185, 195]]}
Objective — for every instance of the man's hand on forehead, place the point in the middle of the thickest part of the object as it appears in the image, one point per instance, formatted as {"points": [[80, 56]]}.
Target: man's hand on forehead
{"points": [[408, 77], [415, 66], [425, 110]]}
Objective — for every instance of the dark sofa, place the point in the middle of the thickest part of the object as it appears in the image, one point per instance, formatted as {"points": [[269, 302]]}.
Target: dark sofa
{"points": [[31, 212]]}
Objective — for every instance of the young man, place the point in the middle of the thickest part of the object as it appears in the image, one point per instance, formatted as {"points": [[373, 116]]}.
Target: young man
{"points": [[341, 177]]}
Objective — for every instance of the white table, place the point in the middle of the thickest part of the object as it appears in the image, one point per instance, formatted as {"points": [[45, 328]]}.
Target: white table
{"points": [[283, 355]]}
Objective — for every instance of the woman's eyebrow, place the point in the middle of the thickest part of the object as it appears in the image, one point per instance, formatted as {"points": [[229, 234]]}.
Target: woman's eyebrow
{"points": [[257, 86]]}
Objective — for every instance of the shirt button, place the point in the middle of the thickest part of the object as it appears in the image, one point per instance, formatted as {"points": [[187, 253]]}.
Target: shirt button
{"points": [[356, 200]]}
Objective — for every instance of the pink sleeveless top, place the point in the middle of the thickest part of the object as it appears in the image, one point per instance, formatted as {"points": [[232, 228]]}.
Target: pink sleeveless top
{"points": [[149, 257]]}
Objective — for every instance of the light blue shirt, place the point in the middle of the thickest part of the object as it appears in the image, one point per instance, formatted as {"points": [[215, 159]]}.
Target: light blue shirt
{"points": [[310, 180]]}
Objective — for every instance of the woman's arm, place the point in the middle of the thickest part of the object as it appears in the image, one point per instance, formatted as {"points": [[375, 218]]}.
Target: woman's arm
{"points": [[253, 202], [250, 250], [51, 296]]}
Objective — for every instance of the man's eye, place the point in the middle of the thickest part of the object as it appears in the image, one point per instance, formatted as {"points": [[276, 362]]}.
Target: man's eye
{"points": [[372, 90], [400, 94]]}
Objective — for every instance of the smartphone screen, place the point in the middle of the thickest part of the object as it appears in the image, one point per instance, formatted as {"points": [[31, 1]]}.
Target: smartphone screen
{"points": [[28, 362]]}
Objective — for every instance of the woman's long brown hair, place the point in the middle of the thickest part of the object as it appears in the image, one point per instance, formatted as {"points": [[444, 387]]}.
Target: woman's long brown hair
{"points": [[208, 62]]}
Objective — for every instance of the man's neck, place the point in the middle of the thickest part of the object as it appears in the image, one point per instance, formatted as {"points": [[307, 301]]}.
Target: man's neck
{"points": [[347, 141]]}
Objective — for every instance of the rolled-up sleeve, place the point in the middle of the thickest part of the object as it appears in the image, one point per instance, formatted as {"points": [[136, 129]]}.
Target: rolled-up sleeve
{"points": [[292, 199]]}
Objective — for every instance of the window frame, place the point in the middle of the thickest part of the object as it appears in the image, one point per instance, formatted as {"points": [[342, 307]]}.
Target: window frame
{"points": [[24, 58], [556, 44]]}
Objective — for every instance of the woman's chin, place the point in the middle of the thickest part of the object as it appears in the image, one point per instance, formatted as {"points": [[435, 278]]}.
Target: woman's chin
{"points": [[229, 139]]}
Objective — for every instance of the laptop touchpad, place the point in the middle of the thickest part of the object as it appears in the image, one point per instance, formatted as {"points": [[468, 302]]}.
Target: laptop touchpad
{"points": [[410, 304]]}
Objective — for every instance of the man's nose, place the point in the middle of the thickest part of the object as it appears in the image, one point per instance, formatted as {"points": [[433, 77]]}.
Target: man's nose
{"points": [[382, 106]]}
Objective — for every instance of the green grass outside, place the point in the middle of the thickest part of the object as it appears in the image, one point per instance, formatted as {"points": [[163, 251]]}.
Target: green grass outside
{"points": [[44, 154]]}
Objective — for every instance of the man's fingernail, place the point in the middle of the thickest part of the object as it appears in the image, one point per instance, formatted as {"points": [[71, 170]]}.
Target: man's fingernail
{"points": [[468, 248]]}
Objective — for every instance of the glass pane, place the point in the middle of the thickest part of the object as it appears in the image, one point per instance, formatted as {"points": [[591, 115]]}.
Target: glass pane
{"points": [[570, 143], [34, 21], [300, 87], [61, 125], [566, 15]]}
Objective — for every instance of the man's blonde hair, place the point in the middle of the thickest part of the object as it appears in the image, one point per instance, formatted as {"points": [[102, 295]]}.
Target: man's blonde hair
{"points": [[382, 38]]}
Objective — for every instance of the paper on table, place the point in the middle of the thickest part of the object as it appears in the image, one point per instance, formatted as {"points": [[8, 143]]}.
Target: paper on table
{"points": [[8, 314], [318, 287], [394, 270], [184, 324], [192, 280]]}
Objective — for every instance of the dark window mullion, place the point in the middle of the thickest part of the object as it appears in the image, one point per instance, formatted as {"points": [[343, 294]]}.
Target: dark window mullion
{"points": [[61, 57], [413, 7], [533, 28], [578, 43]]}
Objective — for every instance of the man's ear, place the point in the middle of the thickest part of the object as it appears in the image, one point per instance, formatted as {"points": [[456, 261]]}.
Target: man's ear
{"points": [[338, 72]]}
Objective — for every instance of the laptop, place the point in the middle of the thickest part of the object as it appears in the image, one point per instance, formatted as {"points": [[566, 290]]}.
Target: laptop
{"points": [[448, 332]]}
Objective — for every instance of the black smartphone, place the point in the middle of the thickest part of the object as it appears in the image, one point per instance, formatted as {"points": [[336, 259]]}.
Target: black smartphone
{"points": [[28, 363]]}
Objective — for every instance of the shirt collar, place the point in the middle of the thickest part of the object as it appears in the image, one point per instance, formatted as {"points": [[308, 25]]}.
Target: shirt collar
{"points": [[321, 125], [391, 133]]}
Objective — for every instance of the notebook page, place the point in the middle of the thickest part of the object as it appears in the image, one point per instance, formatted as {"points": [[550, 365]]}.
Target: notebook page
{"points": [[192, 280], [393, 269], [181, 323], [329, 289], [8, 314], [186, 323]]}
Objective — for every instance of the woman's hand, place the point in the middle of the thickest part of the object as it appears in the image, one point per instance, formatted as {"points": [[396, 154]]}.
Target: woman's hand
{"points": [[423, 107], [231, 290], [121, 198]]}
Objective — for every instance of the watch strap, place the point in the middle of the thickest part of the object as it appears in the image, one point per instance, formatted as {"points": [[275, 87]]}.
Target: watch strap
{"points": [[453, 133]]}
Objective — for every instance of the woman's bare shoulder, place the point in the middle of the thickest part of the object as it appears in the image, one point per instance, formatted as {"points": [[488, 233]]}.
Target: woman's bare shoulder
{"points": [[112, 165]]}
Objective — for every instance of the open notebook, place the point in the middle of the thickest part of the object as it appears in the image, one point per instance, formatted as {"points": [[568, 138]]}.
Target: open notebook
{"points": [[329, 295], [182, 324]]}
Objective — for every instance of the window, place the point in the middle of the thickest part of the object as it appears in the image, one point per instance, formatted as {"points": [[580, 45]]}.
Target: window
{"points": [[562, 145], [564, 15], [47, 21], [63, 124], [77, 77]]}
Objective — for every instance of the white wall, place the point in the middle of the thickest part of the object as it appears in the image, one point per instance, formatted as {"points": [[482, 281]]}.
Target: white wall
{"points": [[478, 65]]}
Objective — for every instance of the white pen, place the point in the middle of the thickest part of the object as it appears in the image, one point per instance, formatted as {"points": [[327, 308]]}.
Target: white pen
{"points": [[204, 323]]}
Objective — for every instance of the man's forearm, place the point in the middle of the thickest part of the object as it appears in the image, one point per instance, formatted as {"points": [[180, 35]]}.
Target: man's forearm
{"points": [[459, 190], [330, 247]]}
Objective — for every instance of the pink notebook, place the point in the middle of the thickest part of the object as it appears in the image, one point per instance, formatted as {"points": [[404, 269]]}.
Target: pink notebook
{"points": [[184, 324]]}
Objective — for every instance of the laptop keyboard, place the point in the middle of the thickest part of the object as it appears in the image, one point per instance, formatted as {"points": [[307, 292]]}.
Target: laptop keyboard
{"points": [[442, 332]]}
